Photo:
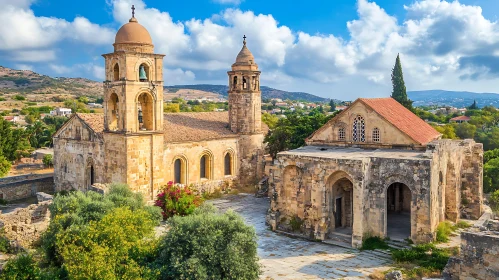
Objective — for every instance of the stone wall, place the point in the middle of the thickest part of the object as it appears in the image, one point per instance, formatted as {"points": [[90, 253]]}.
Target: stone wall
{"points": [[24, 226], [24, 186], [478, 259]]}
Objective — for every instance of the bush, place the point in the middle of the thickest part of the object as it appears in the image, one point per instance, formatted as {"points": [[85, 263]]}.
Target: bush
{"points": [[494, 201], [22, 266], [373, 243], [208, 245], [444, 229], [48, 160], [176, 199], [4, 166], [295, 223], [115, 247], [4, 242], [19, 97]]}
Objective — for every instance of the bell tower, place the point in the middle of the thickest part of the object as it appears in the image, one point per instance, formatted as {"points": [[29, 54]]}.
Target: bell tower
{"points": [[245, 116], [133, 109]]}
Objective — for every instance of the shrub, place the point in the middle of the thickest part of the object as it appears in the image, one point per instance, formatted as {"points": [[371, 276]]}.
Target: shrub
{"points": [[462, 224], [48, 160], [19, 97], [176, 199], [115, 247], [295, 223], [494, 201], [4, 242], [373, 243], [4, 166], [22, 266], [208, 245], [444, 229]]}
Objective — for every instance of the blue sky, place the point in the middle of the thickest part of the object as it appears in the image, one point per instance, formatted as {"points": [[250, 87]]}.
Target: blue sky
{"points": [[342, 48]]}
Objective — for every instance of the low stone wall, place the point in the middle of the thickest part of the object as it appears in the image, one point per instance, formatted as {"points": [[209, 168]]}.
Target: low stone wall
{"points": [[24, 186], [213, 185], [24, 226], [479, 256]]}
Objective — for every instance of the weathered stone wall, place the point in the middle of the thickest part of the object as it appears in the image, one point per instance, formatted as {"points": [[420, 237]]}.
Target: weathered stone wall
{"points": [[115, 164], [24, 186], [76, 149], [478, 259], [190, 154], [25, 225], [472, 181], [251, 159]]}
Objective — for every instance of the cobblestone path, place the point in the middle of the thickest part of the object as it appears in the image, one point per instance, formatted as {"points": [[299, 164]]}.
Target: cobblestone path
{"points": [[287, 258]]}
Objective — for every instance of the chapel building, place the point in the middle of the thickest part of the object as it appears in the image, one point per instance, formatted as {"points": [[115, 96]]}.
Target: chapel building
{"points": [[375, 169], [135, 143]]}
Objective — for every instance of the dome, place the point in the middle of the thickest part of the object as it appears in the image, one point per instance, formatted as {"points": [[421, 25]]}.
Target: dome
{"points": [[133, 33], [245, 56]]}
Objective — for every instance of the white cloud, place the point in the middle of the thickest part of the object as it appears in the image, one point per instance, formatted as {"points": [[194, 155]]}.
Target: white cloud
{"points": [[32, 55], [178, 76], [76, 70]]}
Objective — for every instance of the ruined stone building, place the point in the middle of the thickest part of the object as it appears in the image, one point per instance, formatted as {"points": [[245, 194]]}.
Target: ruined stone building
{"points": [[375, 169], [135, 143]]}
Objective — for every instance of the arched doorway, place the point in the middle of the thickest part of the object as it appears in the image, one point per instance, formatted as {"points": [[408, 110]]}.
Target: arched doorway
{"points": [[145, 111], [398, 211], [340, 203]]}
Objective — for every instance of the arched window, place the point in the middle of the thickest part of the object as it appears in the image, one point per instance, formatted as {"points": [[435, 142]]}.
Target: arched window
{"points": [[116, 71], [205, 166], [145, 111], [376, 135], [178, 171], [254, 83], [113, 111], [235, 82], [359, 130], [228, 164], [341, 134], [144, 72], [245, 83], [92, 175]]}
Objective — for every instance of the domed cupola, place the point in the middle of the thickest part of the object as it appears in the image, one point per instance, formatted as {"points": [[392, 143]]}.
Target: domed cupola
{"points": [[245, 59], [133, 36]]}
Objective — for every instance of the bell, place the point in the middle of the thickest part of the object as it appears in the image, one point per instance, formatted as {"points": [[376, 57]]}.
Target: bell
{"points": [[142, 74], [140, 116]]}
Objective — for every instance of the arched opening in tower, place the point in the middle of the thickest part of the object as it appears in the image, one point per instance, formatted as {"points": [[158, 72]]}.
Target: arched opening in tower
{"points": [[116, 72], [145, 111], [113, 111]]}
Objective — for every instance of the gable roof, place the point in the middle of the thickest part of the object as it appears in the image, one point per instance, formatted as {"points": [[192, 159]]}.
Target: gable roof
{"points": [[94, 121], [187, 127], [397, 115]]}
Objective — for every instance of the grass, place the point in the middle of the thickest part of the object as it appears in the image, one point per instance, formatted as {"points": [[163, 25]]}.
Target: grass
{"points": [[444, 230], [425, 256], [295, 223], [373, 243], [462, 224]]}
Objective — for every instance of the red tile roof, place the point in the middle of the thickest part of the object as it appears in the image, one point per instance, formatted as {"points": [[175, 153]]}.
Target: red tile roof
{"points": [[403, 119], [94, 121], [461, 118]]}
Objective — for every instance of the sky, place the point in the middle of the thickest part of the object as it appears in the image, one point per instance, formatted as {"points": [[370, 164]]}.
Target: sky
{"points": [[332, 48]]}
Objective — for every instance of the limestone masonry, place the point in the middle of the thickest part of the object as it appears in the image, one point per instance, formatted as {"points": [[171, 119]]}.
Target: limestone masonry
{"points": [[375, 169], [135, 143]]}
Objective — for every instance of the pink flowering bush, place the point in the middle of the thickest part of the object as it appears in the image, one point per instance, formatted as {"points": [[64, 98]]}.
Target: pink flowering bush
{"points": [[176, 199]]}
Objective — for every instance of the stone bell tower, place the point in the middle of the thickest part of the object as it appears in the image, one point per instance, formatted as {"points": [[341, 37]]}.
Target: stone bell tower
{"points": [[245, 117], [133, 110]]}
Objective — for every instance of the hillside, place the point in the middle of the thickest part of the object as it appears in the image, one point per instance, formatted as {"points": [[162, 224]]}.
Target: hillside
{"points": [[29, 82], [267, 92], [453, 98]]}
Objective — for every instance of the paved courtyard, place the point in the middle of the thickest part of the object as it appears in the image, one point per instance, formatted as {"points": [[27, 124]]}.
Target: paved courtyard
{"points": [[287, 258]]}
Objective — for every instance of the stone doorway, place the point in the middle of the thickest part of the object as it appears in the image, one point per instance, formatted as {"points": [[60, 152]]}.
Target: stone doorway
{"points": [[340, 207], [398, 211]]}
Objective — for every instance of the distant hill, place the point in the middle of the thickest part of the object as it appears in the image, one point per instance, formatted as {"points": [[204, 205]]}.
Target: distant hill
{"points": [[267, 92], [453, 98], [28, 82]]}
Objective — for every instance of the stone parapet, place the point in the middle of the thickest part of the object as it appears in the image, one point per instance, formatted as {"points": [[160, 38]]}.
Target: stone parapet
{"points": [[24, 186]]}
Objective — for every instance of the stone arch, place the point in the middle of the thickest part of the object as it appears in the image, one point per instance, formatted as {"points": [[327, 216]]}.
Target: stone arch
{"points": [[229, 163], [113, 112], [90, 176], [179, 168], [206, 165], [148, 67], [145, 110], [399, 213], [116, 72], [245, 82], [339, 201]]}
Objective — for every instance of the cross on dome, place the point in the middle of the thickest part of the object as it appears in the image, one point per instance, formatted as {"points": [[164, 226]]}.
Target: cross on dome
{"points": [[133, 11]]}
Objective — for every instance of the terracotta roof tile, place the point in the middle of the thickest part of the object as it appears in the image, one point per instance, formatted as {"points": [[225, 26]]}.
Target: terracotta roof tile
{"points": [[94, 121], [403, 119], [186, 127]]}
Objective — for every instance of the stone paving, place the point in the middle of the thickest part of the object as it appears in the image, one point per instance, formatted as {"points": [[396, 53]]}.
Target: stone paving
{"points": [[287, 258]]}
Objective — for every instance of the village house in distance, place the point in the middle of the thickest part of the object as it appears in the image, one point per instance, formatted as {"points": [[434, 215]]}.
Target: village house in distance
{"points": [[135, 143], [375, 169]]}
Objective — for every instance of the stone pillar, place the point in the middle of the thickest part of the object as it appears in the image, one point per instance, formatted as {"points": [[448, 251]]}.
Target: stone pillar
{"points": [[358, 214], [472, 181]]}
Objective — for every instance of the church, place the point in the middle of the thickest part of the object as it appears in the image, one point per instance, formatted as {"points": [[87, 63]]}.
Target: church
{"points": [[135, 143], [375, 169]]}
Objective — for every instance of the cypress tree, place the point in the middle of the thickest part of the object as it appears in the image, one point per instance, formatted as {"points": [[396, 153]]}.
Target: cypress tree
{"points": [[332, 105], [399, 92], [473, 106]]}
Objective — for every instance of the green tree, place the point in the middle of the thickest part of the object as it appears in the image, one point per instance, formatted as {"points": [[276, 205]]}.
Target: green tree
{"points": [[270, 120], [19, 97], [332, 106], [29, 119], [473, 106], [465, 130], [209, 245], [4, 166], [83, 99], [171, 108], [491, 175], [448, 131], [399, 92], [22, 266]]}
